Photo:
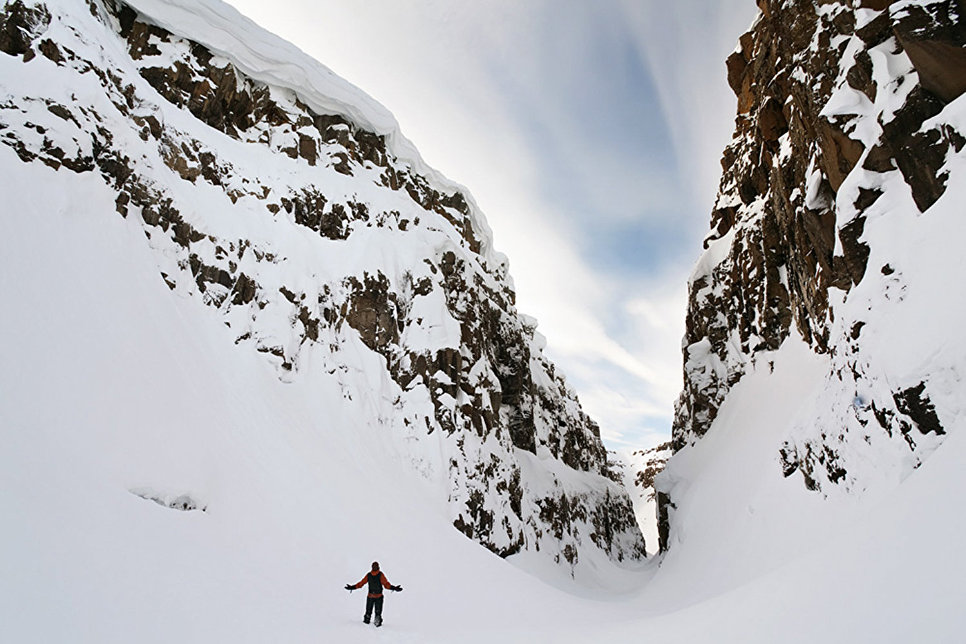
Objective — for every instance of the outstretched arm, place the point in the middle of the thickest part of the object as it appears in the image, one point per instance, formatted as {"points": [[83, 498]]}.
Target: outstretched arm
{"points": [[386, 584], [357, 585]]}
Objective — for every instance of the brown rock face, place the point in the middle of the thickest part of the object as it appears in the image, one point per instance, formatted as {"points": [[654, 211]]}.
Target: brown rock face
{"points": [[17, 25], [933, 35], [372, 311], [815, 130]]}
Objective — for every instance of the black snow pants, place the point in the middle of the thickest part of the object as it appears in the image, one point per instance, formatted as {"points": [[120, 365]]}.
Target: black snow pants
{"points": [[374, 602]]}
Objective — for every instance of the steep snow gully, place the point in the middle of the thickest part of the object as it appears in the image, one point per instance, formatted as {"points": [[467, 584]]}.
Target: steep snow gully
{"points": [[250, 342]]}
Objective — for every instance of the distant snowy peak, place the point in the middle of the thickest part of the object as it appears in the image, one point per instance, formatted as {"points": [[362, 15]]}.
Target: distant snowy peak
{"points": [[287, 202], [833, 224]]}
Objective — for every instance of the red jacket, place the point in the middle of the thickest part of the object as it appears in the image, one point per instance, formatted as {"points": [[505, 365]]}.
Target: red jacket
{"points": [[374, 583]]}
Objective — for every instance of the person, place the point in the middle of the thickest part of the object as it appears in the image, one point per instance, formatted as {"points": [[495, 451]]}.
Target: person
{"points": [[377, 581]]}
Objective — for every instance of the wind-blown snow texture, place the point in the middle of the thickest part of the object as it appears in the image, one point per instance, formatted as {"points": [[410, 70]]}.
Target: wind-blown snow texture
{"points": [[287, 201]]}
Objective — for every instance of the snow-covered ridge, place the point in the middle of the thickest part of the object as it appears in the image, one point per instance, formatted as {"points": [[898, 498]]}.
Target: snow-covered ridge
{"points": [[268, 58]]}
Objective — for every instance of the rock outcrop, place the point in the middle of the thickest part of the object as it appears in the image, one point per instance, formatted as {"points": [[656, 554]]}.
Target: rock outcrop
{"points": [[835, 99], [324, 249]]}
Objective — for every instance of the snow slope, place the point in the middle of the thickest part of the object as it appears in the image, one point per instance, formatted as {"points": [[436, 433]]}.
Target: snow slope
{"points": [[120, 387], [756, 557], [294, 513]]}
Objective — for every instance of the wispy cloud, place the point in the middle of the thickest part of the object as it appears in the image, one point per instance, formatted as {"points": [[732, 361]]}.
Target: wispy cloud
{"points": [[685, 44]]}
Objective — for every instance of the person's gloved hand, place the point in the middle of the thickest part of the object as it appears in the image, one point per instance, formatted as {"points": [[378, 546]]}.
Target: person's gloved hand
{"points": [[349, 587], [396, 588]]}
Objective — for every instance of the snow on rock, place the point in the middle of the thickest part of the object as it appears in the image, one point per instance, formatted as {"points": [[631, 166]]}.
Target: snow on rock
{"points": [[840, 211], [640, 468], [288, 203], [174, 501], [264, 57]]}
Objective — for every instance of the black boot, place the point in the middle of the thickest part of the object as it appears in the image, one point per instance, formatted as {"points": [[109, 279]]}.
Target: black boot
{"points": [[365, 619], [378, 620]]}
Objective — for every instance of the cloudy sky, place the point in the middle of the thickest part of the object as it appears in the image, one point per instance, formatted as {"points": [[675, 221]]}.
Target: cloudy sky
{"points": [[589, 132]]}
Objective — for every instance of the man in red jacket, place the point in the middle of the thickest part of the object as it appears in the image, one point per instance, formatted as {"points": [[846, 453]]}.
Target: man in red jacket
{"points": [[377, 581]]}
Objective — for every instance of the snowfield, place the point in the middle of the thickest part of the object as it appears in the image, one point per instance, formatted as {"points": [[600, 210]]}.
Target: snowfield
{"points": [[160, 484], [112, 385]]}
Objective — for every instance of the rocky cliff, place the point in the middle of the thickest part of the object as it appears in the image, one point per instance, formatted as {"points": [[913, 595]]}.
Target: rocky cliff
{"points": [[849, 134], [292, 207]]}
